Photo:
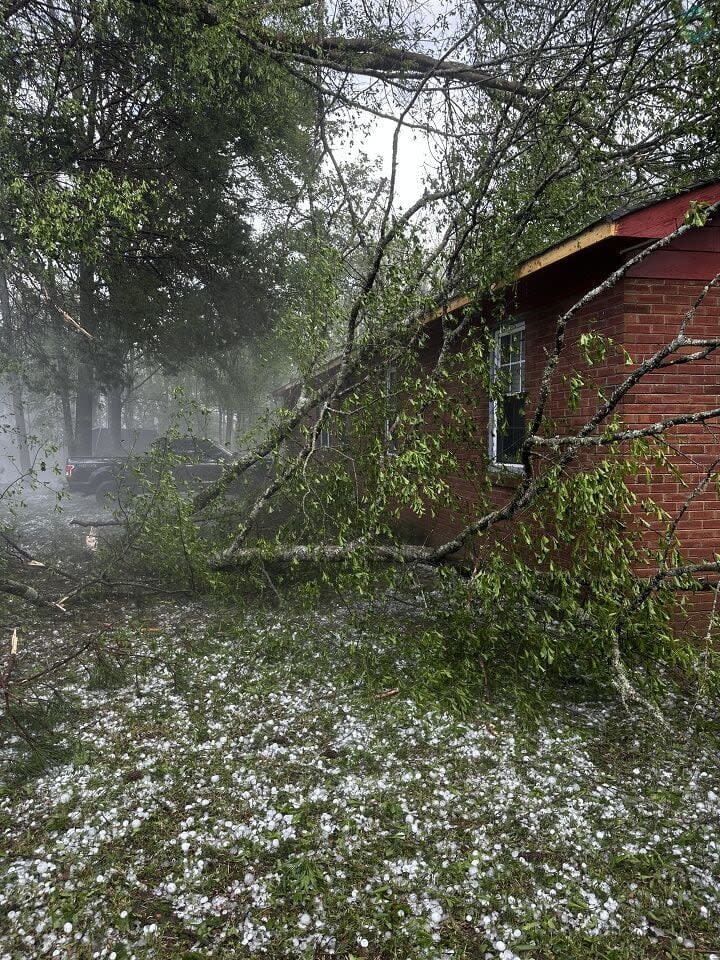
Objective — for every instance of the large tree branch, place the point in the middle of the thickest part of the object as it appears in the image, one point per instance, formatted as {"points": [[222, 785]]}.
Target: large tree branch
{"points": [[373, 58], [623, 436], [361, 56], [234, 558]]}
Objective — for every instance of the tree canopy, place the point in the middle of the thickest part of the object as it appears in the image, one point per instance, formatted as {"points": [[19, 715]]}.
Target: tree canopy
{"points": [[140, 155]]}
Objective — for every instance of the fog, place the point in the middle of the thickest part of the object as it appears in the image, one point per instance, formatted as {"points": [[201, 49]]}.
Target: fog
{"points": [[35, 447], [45, 449]]}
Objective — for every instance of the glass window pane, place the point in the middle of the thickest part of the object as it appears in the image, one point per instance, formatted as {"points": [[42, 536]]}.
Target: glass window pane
{"points": [[510, 428], [511, 361]]}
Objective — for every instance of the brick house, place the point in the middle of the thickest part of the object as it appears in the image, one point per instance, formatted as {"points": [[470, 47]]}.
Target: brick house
{"points": [[640, 313]]}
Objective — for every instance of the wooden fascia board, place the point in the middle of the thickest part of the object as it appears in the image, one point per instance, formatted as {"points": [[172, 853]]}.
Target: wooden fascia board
{"points": [[554, 255], [563, 250], [452, 307]]}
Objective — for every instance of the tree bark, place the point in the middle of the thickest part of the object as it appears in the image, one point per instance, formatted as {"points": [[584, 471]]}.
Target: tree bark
{"points": [[63, 389], [16, 390], [68, 426], [84, 398], [84, 410], [201, 424], [129, 403]]}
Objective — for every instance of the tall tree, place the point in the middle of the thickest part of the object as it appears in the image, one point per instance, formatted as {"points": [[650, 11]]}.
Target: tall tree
{"points": [[13, 357], [157, 143]]}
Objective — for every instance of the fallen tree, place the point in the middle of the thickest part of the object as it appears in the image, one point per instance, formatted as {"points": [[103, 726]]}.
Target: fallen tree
{"points": [[539, 124]]}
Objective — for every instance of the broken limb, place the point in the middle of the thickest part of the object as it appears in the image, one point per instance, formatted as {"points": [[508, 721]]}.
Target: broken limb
{"points": [[361, 56], [30, 594]]}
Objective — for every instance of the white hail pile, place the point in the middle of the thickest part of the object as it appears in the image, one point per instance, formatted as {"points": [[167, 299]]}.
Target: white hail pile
{"points": [[255, 811]]}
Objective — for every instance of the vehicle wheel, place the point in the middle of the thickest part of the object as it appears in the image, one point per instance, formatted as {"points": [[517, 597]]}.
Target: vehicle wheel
{"points": [[106, 494]]}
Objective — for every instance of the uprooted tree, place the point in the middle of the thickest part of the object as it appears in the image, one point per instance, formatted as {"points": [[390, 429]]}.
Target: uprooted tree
{"points": [[535, 119]]}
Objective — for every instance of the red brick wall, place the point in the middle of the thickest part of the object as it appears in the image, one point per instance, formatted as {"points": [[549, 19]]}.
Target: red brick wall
{"points": [[471, 482], [654, 309], [641, 314]]}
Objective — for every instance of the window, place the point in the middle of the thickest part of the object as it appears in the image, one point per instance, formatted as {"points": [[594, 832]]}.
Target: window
{"points": [[507, 409], [324, 440]]}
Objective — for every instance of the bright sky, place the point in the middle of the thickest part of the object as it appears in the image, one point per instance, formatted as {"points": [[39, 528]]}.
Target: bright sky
{"points": [[413, 159]]}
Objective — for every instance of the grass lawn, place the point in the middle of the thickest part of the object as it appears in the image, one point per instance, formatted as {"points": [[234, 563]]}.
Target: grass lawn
{"points": [[252, 787]]}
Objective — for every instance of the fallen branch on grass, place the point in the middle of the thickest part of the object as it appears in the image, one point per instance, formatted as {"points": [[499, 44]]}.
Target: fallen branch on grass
{"points": [[320, 553], [32, 561], [97, 523], [30, 594]]}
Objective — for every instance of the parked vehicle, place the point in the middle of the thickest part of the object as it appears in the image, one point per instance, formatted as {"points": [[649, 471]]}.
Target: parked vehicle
{"points": [[195, 461]]}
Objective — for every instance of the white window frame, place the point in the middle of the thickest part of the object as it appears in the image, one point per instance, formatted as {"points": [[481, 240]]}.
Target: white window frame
{"points": [[493, 407]]}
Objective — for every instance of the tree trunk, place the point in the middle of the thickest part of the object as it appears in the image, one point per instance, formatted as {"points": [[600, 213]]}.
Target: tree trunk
{"points": [[229, 418], [84, 398], [16, 391], [200, 417], [129, 404], [68, 426], [84, 410], [114, 401], [62, 387]]}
